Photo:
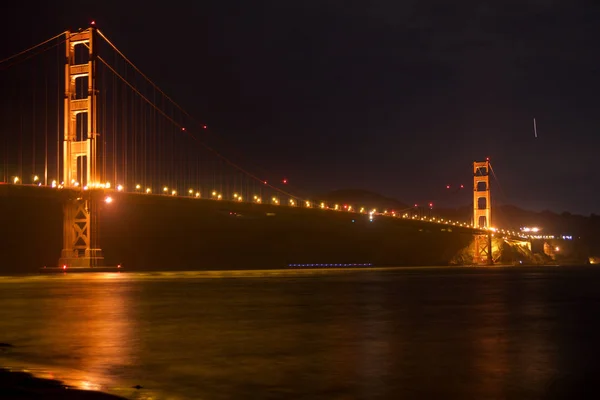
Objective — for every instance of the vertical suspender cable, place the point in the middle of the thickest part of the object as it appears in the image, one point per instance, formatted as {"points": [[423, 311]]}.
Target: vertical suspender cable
{"points": [[33, 118], [45, 129]]}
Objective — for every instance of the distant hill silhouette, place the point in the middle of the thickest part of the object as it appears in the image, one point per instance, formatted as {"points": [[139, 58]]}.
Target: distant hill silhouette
{"points": [[508, 216], [362, 198]]}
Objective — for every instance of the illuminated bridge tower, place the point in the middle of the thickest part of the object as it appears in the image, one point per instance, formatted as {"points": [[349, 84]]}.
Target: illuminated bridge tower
{"points": [[482, 211], [79, 153]]}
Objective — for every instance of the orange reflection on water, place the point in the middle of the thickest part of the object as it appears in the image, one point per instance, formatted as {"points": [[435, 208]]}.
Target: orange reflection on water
{"points": [[93, 316]]}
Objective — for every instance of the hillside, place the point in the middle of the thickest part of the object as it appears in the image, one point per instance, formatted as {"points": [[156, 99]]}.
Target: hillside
{"points": [[363, 198], [584, 228]]}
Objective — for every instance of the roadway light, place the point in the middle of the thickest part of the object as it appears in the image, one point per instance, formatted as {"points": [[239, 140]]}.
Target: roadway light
{"points": [[16, 180], [108, 199]]}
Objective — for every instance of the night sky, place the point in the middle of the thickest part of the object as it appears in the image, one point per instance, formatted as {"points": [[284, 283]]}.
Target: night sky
{"points": [[398, 97]]}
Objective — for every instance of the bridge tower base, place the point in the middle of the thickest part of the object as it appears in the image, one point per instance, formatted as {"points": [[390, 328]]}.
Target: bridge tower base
{"points": [[483, 250], [79, 227]]}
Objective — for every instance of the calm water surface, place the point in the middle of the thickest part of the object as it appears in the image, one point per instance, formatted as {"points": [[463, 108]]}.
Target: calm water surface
{"points": [[415, 333]]}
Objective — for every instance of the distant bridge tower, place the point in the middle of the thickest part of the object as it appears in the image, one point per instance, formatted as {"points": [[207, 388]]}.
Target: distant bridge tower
{"points": [[79, 153], [482, 211], [482, 206]]}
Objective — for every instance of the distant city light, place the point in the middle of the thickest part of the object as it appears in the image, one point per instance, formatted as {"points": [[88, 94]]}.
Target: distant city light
{"points": [[533, 229]]}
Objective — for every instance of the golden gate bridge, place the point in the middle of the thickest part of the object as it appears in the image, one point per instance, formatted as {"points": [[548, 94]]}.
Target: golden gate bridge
{"points": [[80, 118]]}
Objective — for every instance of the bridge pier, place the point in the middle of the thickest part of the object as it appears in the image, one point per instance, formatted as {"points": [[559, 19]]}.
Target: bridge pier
{"points": [[80, 221], [483, 249]]}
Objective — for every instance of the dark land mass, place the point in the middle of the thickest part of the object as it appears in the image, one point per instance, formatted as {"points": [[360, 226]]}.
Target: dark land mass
{"points": [[155, 232], [147, 232]]}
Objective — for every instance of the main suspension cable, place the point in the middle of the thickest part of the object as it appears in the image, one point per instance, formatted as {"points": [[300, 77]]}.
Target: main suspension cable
{"points": [[33, 48]]}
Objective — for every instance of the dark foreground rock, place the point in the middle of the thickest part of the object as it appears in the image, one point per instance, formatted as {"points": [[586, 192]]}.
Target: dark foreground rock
{"points": [[21, 385]]}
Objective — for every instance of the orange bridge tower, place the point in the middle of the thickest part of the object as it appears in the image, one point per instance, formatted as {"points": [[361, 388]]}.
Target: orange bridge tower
{"points": [[482, 212], [79, 154]]}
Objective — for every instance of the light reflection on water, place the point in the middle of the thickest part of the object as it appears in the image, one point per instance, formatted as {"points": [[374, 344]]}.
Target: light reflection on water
{"points": [[500, 333]]}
